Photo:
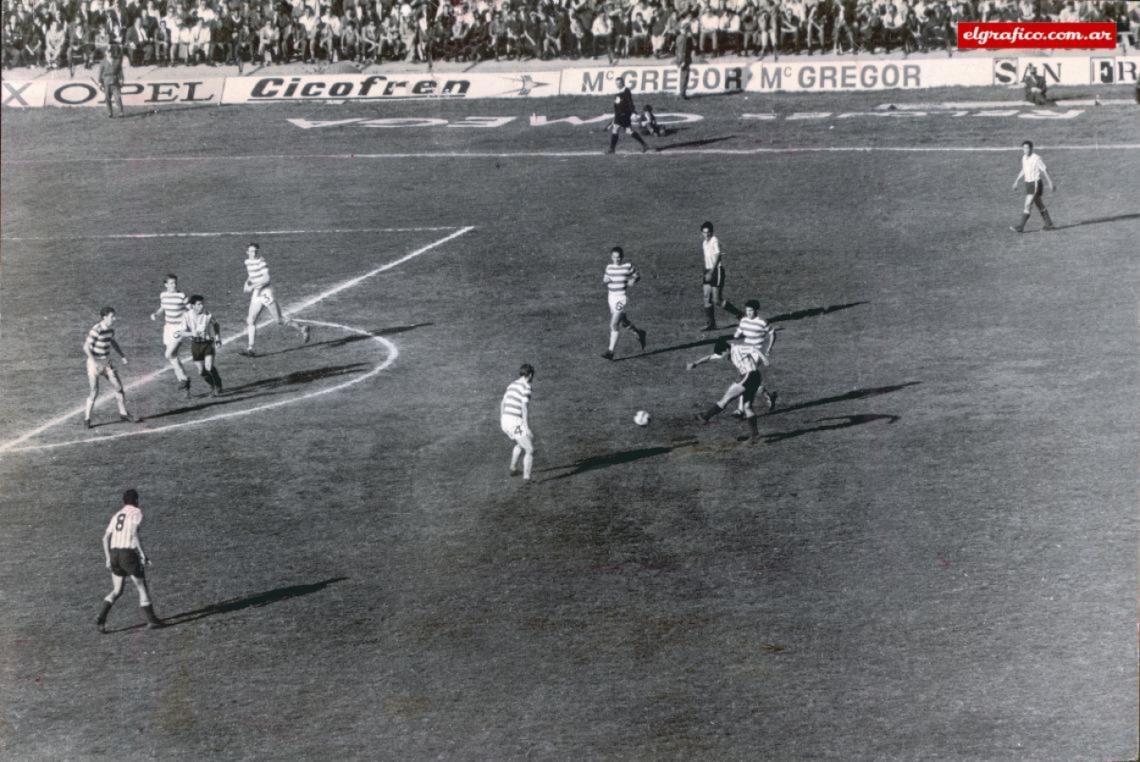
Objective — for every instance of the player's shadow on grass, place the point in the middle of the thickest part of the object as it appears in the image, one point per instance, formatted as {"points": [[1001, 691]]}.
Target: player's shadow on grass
{"points": [[1100, 221], [264, 388], [695, 143], [346, 340], [251, 601], [153, 113], [691, 345], [813, 312], [605, 461], [843, 422], [854, 394]]}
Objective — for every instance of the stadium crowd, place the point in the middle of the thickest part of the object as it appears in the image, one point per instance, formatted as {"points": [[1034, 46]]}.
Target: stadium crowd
{"points": [[57, 33]]}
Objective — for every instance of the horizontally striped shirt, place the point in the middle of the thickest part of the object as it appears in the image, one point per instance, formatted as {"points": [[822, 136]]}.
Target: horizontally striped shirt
{"points": [[124, 527], [198, 326], [619, 276], [516, 399], [173, 306], [99, 340], [754, 331], [258, 270]]}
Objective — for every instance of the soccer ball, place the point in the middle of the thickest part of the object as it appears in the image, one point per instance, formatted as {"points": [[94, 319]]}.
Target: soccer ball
{"points": [[641, 418]]}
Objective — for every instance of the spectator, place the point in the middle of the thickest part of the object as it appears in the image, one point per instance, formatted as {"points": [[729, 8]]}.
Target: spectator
{"points": [[140, 48], [54, 41]]}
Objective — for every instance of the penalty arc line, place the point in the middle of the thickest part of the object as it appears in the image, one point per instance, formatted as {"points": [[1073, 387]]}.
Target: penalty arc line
{"points": [[392, 354], [223, 233], [13, 443]]}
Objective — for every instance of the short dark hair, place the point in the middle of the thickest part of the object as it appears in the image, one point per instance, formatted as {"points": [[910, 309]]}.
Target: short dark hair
{"points": [[617, 250], [720, 346], [753, 303], [106, 311], [707, 226], [170, 276], [526, 369], [131, 497], [1028, 143], [195, 299], [254, 244]]}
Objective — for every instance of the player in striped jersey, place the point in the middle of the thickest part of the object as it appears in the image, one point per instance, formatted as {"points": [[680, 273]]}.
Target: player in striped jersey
{"points": [[97, 346], [747, 361], [205, 335], [124, 556], [620, 275], [756, 334], [172, 304], [261, 297], [714, 278], [514, 420]]}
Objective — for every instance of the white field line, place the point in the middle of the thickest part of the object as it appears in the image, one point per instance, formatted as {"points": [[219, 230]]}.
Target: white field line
{"points": [[221, 234], [390, 348], [994, 105], [598, 154], [14, 443]]}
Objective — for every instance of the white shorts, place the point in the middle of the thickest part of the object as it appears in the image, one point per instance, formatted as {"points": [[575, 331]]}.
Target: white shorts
{"points": [[171, 335], [261, 296], [101, 367], [517, 431], [618, 302]]}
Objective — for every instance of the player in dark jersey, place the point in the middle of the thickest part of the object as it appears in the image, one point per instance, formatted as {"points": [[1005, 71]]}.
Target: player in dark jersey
{"points": [[623, 117]]}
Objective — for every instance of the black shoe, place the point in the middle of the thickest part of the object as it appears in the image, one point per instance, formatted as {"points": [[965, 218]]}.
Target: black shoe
{"points": [[1049, 227], [737, 413], [772, 401], [1016, 229], [130, 419], [607, 355], [709, 327], [185, 386], [101, 627], [247, 353], [641, 338], [87, 423]]}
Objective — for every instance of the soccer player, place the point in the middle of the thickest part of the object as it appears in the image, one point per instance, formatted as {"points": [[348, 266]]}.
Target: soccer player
{"points": [[513, 419], [748, 361], [623, 117], [97, 346], [124, 556], [205, 335], [620, 275], [1032, 172], [172, 304], [714, 276], [261, 297], [756, 333]]}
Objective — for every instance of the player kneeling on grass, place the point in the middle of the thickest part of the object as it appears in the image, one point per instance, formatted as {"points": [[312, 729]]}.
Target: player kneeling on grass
{"points": [[647, 122], [97, 346], [205, 335], [124, 556], [747, 361], [514, 420]]}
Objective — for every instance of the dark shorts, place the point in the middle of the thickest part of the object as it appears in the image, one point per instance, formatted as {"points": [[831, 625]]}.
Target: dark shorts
{"points": [[623, 120], [200, 350], [125, 562], [753, 382], [1035, 189]]}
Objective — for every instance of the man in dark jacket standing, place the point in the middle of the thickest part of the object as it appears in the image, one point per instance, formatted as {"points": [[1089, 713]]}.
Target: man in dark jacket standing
{"points": [[111, 79], [623, 117]]}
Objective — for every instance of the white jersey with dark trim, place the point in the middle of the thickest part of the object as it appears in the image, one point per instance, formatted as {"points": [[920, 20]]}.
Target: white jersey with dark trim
{"points": [[124, 527]]}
